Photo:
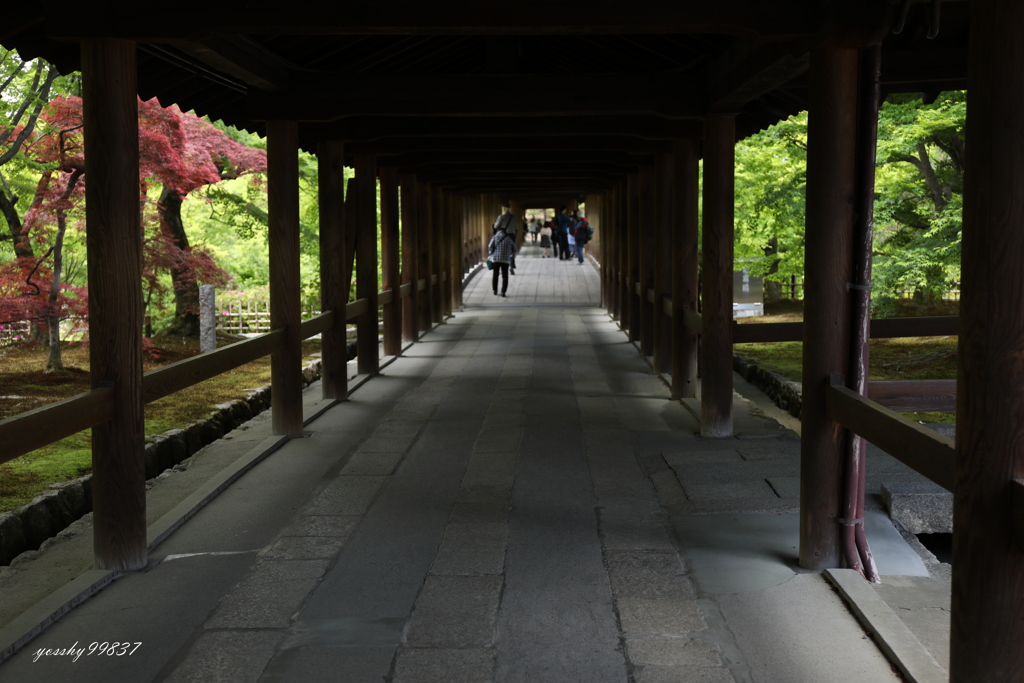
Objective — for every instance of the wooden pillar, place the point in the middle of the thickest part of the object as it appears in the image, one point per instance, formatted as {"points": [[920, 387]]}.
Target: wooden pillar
{"points": [[716, 319], [647, 237], [410, 259], [389, 246], [285, 285], [661, 232], [333, 296], [437, 307], [621, 253], [633, 256], [988, 548], [114, 243], [453, 251], [367, 329], [831, 188], [685, 222], [426, 255]]}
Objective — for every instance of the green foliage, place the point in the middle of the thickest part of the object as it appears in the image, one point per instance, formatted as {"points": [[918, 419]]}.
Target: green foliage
{"points": [[919, 203], [771, 175]]}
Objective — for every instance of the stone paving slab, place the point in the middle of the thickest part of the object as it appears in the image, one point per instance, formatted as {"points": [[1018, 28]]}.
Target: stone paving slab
{"points": [[455, 611]]}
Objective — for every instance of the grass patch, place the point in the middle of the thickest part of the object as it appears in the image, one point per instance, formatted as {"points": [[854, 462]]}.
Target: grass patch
{"points": [[26, 386]]}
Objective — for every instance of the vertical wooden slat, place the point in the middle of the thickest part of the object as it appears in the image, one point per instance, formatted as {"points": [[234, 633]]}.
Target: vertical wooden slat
{"points": [[686, 191], [367, 328], [661, 232], [719, 193], [114, 243], [831, 188], [437, 241], [333, 295], [285, 285], [389, 245], [988, 560], [410, 258]]}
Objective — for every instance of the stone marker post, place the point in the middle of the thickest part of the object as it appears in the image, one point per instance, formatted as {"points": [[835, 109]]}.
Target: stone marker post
{"points": [[207, 319]]}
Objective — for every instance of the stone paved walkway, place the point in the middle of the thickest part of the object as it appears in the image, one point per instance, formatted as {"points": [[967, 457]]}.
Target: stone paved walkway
{"points": [[508, 502]]}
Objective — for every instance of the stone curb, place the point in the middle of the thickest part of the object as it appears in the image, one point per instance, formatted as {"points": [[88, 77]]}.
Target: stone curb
{"points": [[786, 393], [893, 637], [27, 527]]}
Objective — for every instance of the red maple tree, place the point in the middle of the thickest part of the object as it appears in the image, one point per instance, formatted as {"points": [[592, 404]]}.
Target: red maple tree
{"points": [[179, 151]]}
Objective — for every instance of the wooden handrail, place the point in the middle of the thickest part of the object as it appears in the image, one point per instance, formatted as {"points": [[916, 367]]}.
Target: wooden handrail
{"points": [[25, 432], [433, 279], [916, 446], [421, 284], [316, 325], [914, 395], [385, 297], [636, 288], [666, 306], [177, 376], [692, 319], [650, 296], [356, 308], [881, 328], [405, 290]]}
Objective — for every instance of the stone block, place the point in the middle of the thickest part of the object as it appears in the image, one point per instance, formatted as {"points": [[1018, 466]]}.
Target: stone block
{"points": [[672, 651], [455, 611], [663, 616], [470, 549], [921, 507], [227, 656], [415, 665], [12, 537], [36, 523], [151, 459], [177, 446], [687, 674], [193, 438], [72, 495]]}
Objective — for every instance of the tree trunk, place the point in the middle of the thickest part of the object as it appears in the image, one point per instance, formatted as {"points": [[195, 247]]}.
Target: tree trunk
{"points": [[55, 363], [186, 289], [772, 288]]}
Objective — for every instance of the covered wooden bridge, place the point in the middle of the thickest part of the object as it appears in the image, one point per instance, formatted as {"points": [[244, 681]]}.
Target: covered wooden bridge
{"points": [[458, 107]]}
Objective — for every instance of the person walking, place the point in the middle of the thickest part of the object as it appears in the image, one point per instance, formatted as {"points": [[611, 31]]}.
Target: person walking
{"points": [[545, 240], [562, 234], [506, 222], [581, 232], [501, 249], [533, 227]]}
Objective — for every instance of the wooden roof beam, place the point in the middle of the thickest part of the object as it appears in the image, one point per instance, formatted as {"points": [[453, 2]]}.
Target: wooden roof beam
{"points": [[330, 98], [364, 129], [499, 144], [779, 19], [241, 58]]}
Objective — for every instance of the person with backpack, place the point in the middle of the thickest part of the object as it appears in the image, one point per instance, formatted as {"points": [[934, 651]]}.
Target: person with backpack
{"points": [[582, 233], [506, 222], [562, 233], [501, 251]]}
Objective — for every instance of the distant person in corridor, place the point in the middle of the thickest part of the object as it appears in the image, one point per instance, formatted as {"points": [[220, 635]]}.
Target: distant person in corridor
{"points": [[506, 222], [501, 249], [562, 234]]}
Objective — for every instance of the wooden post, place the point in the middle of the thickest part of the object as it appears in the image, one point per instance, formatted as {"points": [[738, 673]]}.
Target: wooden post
{"points": [[114, 243], [426, 254], [661, 234], [686, 192], [285, 285], [367, 329], [333, 294], [633, 256], [988, 550], [389, 246], [437, 307], [716, 319], [410, 259], [622, 253], [831, 188]]}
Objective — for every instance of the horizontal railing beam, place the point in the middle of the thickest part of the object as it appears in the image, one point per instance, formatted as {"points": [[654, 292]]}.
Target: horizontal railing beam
{"points": [[318, 324], [177, 376], [356, 308], [916, 446], [914, 395], [25, 432], [881, 328]]}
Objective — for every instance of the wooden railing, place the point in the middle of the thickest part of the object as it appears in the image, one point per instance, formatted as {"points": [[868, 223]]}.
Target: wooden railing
{"points": [[23, 433], [916, 446]]}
